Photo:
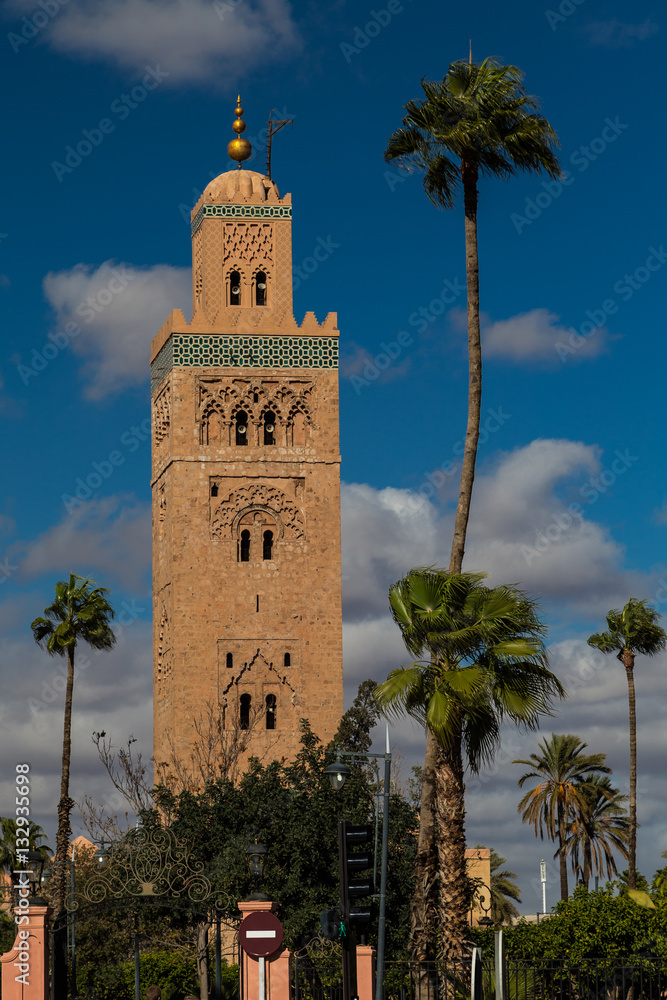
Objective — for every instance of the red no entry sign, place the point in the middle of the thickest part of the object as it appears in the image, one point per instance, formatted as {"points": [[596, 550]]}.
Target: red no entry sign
{"points": [[260, 934]]}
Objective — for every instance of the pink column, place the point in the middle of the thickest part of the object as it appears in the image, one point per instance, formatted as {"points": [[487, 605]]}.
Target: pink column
{"points": [[25, 967], [365, 972], [276, 966]]}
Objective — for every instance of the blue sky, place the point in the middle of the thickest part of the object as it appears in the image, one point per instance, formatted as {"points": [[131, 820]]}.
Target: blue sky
{"points": [[571, 494]]}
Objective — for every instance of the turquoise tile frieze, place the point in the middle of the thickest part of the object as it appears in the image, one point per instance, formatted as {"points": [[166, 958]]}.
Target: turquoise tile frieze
{"points": [[189, 350], [241, 212], [162, 365]]}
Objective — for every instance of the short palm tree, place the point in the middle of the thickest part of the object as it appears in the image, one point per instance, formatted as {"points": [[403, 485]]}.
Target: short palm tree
{"points": [[564, 774], [80, 612], [478, 120], [633, 630], [485, 663], [601, 828]]}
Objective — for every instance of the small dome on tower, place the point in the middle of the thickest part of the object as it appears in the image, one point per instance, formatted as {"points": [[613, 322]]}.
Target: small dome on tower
{"points": [[235, 185]]}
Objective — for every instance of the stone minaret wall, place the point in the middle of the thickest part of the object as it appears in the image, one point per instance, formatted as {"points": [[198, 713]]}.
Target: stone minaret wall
{"points": [[235, 616]]}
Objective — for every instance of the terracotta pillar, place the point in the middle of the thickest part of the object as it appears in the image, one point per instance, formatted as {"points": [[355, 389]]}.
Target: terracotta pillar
{"points": [[365, 972], [276, 966], [25, 967]]}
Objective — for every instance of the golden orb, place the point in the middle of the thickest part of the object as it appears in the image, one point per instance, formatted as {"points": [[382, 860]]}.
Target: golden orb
{"points": [[239, 149], [239, 127]]}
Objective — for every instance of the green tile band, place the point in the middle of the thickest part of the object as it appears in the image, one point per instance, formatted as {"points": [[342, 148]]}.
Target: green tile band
{"points": [[241, 212], [189, 350]]}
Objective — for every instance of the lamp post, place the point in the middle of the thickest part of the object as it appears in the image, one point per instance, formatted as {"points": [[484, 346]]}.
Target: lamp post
{"points": [[256, 855], [338, 773]]}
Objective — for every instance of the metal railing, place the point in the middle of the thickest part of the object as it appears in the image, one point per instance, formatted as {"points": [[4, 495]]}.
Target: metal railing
{"points": [[636, 978]]}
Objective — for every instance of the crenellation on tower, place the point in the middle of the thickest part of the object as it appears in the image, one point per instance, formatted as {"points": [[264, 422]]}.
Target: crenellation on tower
{"points": [[246, 487]]}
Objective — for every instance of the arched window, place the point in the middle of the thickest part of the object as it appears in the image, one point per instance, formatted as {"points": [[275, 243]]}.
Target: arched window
{"points": [[260, 289], [235, 289], [269, 428], [244, 554], [287, 660], [298, 429], [267, 548], [230, 659], [214, 489], [241, 427], [270, 711], [244, 717]]}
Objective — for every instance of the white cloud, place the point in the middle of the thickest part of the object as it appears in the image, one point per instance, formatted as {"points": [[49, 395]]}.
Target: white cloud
{"points": [[537, 336], [108, 539], [118, 309], [533, 522], [194, 41], [112, 692], [385, 533], [615, 34]]}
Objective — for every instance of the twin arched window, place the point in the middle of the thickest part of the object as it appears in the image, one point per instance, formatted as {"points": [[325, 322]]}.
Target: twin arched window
{"points": [[259, 289], [269, 710]]}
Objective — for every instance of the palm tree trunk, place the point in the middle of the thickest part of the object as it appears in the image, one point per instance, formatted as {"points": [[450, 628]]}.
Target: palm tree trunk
{"points": [[469, 172], [65, 804], [628, 660], [423, 929], [562, 855], [450, 822]]}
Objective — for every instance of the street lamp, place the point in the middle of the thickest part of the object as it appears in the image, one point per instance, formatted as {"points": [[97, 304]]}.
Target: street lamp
{"points": [[337, 773], [256, 854], [35, 865]]}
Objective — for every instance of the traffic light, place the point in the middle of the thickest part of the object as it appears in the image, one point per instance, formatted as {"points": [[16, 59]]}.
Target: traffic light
{"points": [[330, 921], [353, 884], [352, 863]]}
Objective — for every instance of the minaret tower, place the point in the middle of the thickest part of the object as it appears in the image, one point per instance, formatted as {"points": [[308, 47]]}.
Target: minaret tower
{"points": [[246, 485]]}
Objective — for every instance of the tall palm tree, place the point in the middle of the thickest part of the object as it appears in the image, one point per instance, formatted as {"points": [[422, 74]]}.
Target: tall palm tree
{"points": [[485, 663], [478, 120], [564, 773], [80, 612], [601, 827], [633, 630]]}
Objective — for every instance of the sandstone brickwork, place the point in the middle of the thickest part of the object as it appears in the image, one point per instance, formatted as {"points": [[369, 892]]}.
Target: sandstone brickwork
{"points": [[246, 489]]}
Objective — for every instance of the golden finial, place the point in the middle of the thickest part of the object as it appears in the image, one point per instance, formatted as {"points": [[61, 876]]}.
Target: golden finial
{"points": [[239, 149]]}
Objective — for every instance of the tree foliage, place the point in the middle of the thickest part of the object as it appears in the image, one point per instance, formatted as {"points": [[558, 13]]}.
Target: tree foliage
{"points": [[560, 800]]}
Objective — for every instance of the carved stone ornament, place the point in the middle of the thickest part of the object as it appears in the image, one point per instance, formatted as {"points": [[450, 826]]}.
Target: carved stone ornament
{"points": [[227, 512]]}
